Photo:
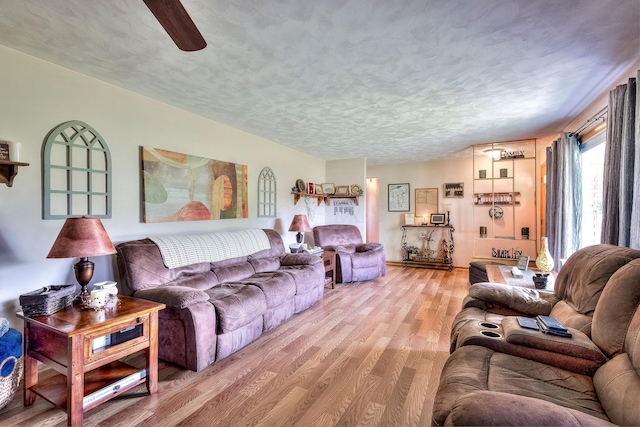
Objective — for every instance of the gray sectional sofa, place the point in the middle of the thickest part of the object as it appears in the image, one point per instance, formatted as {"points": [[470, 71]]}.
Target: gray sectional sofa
{"points": [[216, 308]]}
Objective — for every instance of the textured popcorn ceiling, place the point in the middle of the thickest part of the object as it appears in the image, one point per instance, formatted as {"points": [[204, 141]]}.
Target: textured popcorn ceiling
{"points": [[390, 80]]}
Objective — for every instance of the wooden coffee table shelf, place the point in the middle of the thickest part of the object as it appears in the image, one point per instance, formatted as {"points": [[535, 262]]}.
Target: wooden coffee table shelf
{"points": [[91, 373]]}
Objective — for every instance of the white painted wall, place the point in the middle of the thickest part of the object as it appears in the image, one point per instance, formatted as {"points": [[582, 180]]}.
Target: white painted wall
{"points": [[347, 172], [427, 175], [37, 96]]}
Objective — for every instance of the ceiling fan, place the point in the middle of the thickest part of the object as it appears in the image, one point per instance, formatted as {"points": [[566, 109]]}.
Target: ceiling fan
{"points": [[177, 23]]}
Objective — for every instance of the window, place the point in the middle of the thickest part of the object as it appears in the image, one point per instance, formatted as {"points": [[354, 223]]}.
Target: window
{"points": [[592, 157], [267, 194], [77, 173]]}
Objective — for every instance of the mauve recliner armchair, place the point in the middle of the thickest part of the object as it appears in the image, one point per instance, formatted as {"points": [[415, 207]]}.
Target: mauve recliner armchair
{"points": [[356, 261]]}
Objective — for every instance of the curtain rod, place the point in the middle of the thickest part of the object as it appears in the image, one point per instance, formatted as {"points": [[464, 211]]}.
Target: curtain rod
{"points": [[597, 116]]}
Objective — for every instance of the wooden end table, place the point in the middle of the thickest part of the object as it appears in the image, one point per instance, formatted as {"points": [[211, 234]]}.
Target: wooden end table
{"points": [[329, 261], [84, 346]]}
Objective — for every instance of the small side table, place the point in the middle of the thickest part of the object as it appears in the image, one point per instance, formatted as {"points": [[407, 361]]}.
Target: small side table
{"points": [[84, 346], [329, 261]]}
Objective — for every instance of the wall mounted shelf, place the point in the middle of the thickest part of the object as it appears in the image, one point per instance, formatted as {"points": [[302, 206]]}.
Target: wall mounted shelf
{"points": [[496, 198], [8, 171], [321, 197], [504, 201]]}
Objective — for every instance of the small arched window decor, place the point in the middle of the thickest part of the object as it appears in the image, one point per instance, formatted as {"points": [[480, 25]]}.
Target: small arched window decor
{"points": [[267, 193], [77, 173]]}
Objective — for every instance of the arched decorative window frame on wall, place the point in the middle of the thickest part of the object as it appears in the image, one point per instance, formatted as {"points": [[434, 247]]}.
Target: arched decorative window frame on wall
{"points": [[73, 173], [267, 193]]}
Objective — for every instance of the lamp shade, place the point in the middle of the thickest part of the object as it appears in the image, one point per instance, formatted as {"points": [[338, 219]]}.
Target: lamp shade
{"points": [[300, 223], [81, 237]]}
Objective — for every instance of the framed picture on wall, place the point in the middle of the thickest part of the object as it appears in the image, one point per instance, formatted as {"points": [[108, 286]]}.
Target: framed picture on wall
{"points": [[328, 188], [342, 190], [454, 189], [426, 203], [399, 198]]}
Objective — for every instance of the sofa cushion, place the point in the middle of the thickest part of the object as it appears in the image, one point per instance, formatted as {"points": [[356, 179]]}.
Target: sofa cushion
{"points": [[300, 259], [474, 368], [140, 266], [261, 265], [587, 271], [616, 309], [336, 234], [483, 408], [369, 247], [571, 318], [305, 277], [276, 249], [523, 300], [177, 297], [365, 260], [232, 272], [236, 305], [618, 387], [277, 287], [344, 248]]}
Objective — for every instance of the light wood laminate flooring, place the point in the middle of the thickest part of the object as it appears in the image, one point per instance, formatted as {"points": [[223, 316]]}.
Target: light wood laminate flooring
{"points": [[368, 354]]}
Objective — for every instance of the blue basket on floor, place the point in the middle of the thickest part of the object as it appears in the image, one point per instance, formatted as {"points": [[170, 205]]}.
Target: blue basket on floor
{"points": [[10, 365]]}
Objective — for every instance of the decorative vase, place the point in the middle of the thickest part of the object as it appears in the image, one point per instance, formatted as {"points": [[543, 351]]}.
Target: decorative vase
{"points": [[544, 262]]}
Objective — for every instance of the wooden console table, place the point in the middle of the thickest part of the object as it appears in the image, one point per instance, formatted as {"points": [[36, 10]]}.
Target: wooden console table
{"points": [[438, 257], [84, 346]]}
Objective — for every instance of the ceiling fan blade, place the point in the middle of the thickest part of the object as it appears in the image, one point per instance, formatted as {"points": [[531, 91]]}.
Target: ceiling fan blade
{"points": [[177, 23]]}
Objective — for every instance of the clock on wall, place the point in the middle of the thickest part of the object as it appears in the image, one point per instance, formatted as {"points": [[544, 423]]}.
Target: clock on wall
{"points": [[496, 212]]}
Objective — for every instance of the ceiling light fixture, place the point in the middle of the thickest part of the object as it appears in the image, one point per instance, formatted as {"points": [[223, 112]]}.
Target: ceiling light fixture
{"points": [[494, 153]]}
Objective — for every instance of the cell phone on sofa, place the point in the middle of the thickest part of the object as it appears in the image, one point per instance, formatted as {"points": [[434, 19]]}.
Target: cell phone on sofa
{"points": [[528, 323], [552, 326]]}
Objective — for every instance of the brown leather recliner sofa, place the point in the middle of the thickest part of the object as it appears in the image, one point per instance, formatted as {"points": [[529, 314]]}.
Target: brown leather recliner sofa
{"points": [[576, 292], [356, 261], [483, 385], [214, 309]]}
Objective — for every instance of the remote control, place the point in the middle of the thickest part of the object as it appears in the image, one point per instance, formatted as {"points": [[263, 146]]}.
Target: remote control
{"points": [[517, 273]]}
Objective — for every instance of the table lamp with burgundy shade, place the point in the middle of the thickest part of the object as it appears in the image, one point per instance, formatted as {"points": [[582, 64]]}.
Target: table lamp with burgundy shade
{"points": [[301, 225], [81, 238]]}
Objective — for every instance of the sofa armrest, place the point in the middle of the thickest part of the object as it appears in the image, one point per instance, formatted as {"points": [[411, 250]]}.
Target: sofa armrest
{"points": [[523, 300], [490, 307], [300, 259], [346, 248], [490, 408], [579, 345], [177, 297], [369, 247]]}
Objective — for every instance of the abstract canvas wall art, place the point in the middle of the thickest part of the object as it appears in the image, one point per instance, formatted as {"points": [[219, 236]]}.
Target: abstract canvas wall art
{"points": [[182, 187]]}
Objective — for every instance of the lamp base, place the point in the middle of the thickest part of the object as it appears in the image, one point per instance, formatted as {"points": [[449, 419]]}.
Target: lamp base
{"points": [[299, 237], [84, 298], [84, 273]]}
